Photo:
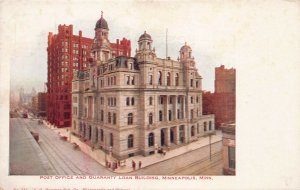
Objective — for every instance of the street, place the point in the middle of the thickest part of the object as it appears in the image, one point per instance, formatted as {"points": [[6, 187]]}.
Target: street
{"points": [[63, 159]]}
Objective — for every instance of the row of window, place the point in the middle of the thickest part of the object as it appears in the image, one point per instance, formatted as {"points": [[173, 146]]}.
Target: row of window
{"points": [[112, 118], [111, 101], [179, 100], [128, 102], [112, 80], [130, 80], [151, 140]]}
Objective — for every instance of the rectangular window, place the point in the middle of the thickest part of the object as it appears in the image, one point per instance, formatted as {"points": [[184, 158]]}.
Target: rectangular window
{"points": [[231, 157]]}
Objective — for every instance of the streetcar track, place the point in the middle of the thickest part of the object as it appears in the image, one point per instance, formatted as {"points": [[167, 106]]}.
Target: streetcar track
{"points": [[180, 170], [59, 156]]}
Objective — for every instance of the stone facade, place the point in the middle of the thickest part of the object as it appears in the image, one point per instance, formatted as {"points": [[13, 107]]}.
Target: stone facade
{"points": [[133, 105]]}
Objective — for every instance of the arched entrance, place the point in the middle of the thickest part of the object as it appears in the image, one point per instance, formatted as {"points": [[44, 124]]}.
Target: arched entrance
{"points": [[181, 134], [89, 132], [172, 135], [162, 137]]}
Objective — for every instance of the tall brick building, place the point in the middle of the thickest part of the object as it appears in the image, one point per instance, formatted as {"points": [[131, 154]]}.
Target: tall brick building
{"points": [[68, 53], [222, 101]]}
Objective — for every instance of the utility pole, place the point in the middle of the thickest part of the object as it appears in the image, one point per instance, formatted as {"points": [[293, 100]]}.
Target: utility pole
{"points": [[210, 147]]}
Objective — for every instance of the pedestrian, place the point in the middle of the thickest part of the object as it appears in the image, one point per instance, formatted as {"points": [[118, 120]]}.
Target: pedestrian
{"points": [[140, 164], [134, 165]]}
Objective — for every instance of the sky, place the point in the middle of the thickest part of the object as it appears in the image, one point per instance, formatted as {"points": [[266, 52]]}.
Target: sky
{"points": [[219, 32], [208, 28]]}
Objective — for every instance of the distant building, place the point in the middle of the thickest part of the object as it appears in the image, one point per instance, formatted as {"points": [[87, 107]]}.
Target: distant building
{"points": [[68, 53], [222, 102], [42, 104], [26, 98], [34, 104], [133, 105], [228, 131]]}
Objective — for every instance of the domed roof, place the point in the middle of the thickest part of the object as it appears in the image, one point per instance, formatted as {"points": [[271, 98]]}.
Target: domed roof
{"points": [[185, 47], [101, 23], [145, 36]]}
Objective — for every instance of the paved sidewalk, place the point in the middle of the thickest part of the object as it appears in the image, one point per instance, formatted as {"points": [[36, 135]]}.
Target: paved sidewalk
{"points": [[25, 155], [99, 155]]}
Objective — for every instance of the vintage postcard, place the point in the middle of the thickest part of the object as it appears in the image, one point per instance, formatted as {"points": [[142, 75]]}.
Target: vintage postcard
{"points": [[128, 95]]}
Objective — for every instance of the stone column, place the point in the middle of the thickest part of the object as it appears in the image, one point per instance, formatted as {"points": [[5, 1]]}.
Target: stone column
{"points": [[174, 107], [165, 116], [182, 107], [186, 133], [156, 111], [167, 136], [176, 135]]}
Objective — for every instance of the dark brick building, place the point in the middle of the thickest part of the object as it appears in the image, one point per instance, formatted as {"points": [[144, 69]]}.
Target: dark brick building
{"points": [[222, 102], [67, 53]]}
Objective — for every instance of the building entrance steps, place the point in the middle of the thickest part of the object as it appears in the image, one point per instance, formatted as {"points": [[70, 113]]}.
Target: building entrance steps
{"points": [[125, 166]]}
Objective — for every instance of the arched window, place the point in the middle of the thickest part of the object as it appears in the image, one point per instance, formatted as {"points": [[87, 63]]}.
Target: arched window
{"points": [[74, 124], [205, 126], [128, 80], [112, 80], [127, 101], [130, 141], [168, 79], [151, 139], [177, 79], [192, 114], [178, 113], [111, 139], [150, 101], [132, 101], [132, 81], [159, 78], [109, 117], [115, 80], [150, 79], [101, 135], [130, 119], [101, 115], [170, 115], [160, 115], [150, 118], [209, 125], [192, 99], [114, 118], [197, 99], [161, 99], [192, 131]]}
